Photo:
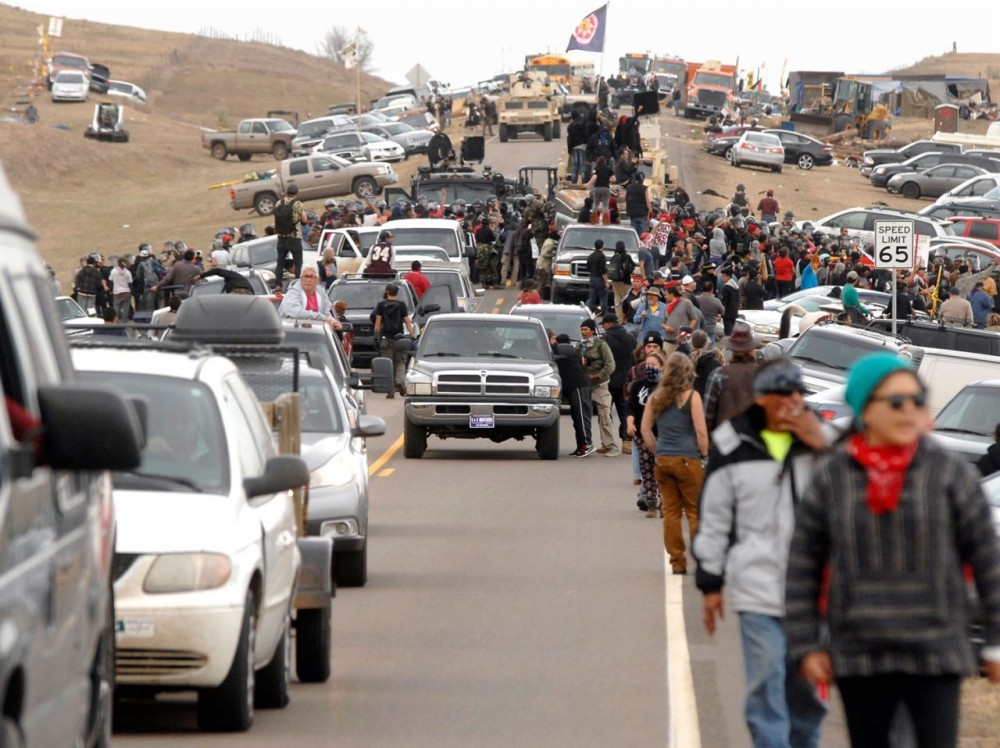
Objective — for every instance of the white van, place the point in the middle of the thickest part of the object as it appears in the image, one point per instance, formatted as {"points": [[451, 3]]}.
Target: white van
{"points": [[946, 372]]}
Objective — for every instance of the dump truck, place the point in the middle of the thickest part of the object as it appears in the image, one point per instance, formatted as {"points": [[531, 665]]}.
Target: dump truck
{"points": [[710, 90]]}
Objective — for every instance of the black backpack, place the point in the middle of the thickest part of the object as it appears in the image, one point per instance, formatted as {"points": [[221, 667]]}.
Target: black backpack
{"points": [[284, 218], [392, 318], [620, 267]]}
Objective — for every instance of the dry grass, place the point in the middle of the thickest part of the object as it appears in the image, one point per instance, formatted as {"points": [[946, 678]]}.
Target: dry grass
{"points": [[968, 64]]}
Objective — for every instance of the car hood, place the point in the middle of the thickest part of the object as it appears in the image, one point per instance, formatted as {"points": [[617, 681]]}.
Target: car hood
{"points": [[968, 446], [174, 521], [502, 366], [881, 152]]}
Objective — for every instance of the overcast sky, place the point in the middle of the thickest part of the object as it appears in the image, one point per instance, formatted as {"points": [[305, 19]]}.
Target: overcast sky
{"points": [[462, 42]]}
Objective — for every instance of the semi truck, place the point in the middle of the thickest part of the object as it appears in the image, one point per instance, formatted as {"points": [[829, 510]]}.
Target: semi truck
{"points": [[710, 90]]}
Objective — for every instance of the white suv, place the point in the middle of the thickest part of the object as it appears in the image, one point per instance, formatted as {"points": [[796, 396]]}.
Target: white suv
{"points": [[860, 223]]}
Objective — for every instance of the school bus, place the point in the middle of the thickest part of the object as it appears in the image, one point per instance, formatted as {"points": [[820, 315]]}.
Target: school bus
{"points": [[557, 67]]}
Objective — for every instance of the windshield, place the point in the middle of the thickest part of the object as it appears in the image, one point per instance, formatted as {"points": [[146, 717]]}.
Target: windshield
{"points": [[279, 125], [69, 309], [318, 348], [973, 409], [316, 127], [370, 137], [446, 238], [444, 278], [836, 352], [993, 194], [364, 295], [69, 61], [454, 192], [471, 338], [395, 128], [810, 303], [559, 323], [184, 436], [430, 252], [65, 77], [123, 87], [580, 238], [713, 79], [318, 409]]}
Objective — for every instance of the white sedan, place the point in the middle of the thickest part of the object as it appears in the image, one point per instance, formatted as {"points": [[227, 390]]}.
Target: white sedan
{"points": [[126, 90], [380, 149], [70, 85], [767, 322], [412, 139], [206, 561]]}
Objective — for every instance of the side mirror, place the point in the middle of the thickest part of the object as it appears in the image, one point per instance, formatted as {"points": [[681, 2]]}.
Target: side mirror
{"points": [[565, 350], [282, 473], [81, 423], [403, 344], [346, 327], [429, 309], [353, 380], [382, 375], [479, 291], [369, 426], [469, 252]]}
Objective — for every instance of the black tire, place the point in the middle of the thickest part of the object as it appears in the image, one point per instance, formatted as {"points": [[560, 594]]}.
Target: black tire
{"points": [[313, 639], [910, 190], [271, 691], [264, 203], [244, 156], [557, 129], [805, 161], [414, 440], [366, 187], [728, 155], [351, 567], [776, 169], [547, 442], [688, 114], [280, 150], [504, 133], [229, 707], [547, 132], [219, 151], [102, 684]]}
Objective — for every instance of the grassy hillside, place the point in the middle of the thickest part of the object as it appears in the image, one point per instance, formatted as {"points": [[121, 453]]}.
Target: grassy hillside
{"points": [[968, 64]]}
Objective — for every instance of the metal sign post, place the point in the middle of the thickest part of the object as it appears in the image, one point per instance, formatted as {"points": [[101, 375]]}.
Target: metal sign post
{"points": [[895, 247]]}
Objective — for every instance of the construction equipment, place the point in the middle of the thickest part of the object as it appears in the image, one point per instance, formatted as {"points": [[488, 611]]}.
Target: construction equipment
{"points": [[851, 105], [108, 123]]}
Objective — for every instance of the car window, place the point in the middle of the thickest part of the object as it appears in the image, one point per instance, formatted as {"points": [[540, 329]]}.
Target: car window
{"points": [[247, 449], [322, 164], [184, 433], [854, 219], [835, 352], [319, 413], [296, 168], [972, 409], [259, 128], [966, 172], [943, 171], [983, 230]]}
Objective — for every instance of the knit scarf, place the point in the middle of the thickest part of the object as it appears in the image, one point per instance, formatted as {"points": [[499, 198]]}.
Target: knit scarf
{"points": [[885, 469], [671, 305]]}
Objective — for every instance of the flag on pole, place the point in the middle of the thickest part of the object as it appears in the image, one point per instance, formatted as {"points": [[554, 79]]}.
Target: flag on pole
{"points": [[349, 56], [589, 33]]}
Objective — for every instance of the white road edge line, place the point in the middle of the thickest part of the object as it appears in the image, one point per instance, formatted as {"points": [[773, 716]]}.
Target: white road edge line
{"points": [[682, 707]]}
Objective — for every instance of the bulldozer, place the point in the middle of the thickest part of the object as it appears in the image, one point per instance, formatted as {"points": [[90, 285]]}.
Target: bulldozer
{"points": [[108, 123], [850, 105]]}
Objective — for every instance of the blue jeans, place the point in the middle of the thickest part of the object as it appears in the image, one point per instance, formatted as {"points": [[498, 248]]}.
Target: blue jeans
{"points": [[782, 709], [598, 298], [578, 164], [640, 225]]}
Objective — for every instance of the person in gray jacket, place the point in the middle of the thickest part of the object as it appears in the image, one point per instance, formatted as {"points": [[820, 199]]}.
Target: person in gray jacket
{"points": [[758, 467]]}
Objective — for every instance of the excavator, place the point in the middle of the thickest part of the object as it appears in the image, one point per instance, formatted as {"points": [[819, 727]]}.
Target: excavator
{"points": [[851, 105]]}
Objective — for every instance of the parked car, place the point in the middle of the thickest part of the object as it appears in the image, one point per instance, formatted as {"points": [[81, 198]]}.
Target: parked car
{"points": [[860, 223], [932, 182], [865, 295], [767, 322], [411, 139], [99, 77], [419, 119], [758, 149], [206, 563], [965, 207], [57, 623], [569, 273], [311, 132], [560, 318], [361, 295], [878, 156], [445, 233], [70, 85], [967, 424], [359, 146], [987, 229], [802, 150], [977, 258], [75, 320], [931, 334], [457, 279], [126, 90], [722, 146], [262, 135], [881, 174], [61, 61]]}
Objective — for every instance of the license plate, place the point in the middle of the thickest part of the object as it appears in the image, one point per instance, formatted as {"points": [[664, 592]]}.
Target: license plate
{"points": [[139, 628], [481, 422]]}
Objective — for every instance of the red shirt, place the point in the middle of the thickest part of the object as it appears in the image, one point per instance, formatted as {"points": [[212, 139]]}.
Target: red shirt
{"points": [[784, 269], [530, 297], [419, 282]]}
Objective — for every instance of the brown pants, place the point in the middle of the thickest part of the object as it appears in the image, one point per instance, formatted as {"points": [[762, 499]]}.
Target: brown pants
{"points": [[679, 479]]}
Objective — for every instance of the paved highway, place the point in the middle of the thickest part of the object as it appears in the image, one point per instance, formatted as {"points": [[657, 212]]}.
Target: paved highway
{"points": [[510, 602]]}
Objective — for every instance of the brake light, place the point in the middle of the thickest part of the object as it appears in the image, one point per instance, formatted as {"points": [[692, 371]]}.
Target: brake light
{"points": [[826, 415], [747, 146], [775, 150], [827, 148], [232, 194]]}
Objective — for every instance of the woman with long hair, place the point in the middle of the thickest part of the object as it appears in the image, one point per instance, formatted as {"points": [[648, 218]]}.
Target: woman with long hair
{"points": [[892, 525], [639, 394], [680, 443]]}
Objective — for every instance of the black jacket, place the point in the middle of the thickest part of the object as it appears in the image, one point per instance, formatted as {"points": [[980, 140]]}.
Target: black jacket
{"points": [[989, 463], [571, 373], [622, 344], [576, 134]]}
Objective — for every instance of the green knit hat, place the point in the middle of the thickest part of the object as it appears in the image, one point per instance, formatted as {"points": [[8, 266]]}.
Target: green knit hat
{"points": [[868, 373]]}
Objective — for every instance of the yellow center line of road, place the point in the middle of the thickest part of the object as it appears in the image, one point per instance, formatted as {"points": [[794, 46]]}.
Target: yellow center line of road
{"points": [[387, 472], [385, 456]]}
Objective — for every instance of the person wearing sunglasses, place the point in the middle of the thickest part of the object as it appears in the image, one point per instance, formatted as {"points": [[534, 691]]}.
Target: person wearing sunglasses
{"points": [[884, 533]]}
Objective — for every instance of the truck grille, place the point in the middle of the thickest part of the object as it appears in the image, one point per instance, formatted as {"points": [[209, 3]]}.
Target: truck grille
{"points": [[579, 269], [715, 99], [525, 120], [156, 662], [483, 383]]}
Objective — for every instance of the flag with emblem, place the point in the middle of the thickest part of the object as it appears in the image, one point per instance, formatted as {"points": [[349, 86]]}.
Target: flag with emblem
{"points": [[349, 56], [589, 33]]}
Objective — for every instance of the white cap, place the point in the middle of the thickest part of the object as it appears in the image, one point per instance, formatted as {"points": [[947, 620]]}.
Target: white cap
{"points": [[686, 279]]}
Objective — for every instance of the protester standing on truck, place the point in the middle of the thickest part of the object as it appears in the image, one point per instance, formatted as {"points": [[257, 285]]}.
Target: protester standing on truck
{"points": [[287, 216]]}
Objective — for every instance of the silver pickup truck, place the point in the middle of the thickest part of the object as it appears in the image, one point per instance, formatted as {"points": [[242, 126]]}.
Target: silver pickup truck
{"points": [[570, 279], [485, 376]]}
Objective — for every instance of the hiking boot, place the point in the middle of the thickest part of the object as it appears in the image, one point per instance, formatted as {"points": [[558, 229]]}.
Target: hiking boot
{"points": [[626, 446], [601, 450]]}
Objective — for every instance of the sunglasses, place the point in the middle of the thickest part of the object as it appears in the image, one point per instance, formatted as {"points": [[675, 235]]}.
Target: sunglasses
{"points": [[896, 402]]}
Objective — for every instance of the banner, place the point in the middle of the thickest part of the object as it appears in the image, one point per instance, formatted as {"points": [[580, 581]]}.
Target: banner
{"points": [[349, 56], [589, 33]]}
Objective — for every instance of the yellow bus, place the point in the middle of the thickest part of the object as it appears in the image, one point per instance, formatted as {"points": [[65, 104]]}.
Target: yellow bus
{"points": [[557, 67]]}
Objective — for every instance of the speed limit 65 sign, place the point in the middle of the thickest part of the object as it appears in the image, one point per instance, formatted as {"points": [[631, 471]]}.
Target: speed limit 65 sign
{"points": [[895, 244]]}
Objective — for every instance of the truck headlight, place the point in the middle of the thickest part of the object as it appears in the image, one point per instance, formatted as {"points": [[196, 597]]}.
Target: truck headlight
{"points": [[879, 170], [546, 390], [419, 388], [337, 471], [562, 269], [187, 572], [765, 329]]}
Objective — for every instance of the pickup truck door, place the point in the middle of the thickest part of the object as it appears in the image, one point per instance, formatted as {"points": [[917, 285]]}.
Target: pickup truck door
{"points": [[349, 256], [323, 179]]}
